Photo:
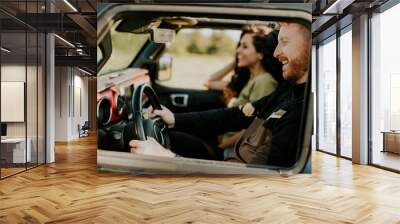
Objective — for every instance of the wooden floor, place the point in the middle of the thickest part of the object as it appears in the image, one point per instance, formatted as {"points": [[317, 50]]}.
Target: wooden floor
{"points": [[5, 172], [386, 159], [10, 171], [71, 191]]}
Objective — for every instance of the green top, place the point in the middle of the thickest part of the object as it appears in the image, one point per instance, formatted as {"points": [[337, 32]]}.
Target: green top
{"points": [[262, 85]]}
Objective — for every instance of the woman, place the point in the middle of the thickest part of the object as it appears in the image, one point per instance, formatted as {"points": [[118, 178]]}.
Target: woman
{"points": [[255, 52], [241, 76], [232, 88]]}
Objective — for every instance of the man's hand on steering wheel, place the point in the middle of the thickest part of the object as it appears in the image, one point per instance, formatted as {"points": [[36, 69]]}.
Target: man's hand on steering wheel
{"points": [[142, 126], [166, 115], [149, 147]]}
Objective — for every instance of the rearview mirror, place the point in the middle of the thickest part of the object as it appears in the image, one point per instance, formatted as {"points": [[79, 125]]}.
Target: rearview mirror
{"points": [[162, 36], [165, 68]]}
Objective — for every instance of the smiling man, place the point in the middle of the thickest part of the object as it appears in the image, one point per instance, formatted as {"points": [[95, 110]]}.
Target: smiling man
{"points": [[272, 130], [292, 50]]}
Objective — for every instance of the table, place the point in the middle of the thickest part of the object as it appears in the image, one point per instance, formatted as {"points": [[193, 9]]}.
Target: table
{"points": [[13, 150], [391, 141]]}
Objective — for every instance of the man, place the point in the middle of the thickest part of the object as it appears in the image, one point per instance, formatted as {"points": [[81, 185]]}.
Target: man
{"points": [[272, 136]]}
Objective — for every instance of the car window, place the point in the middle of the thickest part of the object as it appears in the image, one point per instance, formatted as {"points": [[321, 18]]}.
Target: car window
{"points": [[198, 53], [125, 47]]}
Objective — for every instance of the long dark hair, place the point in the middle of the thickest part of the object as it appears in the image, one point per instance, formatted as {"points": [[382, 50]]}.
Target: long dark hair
{"points": [[264, 44], [241, 75]]}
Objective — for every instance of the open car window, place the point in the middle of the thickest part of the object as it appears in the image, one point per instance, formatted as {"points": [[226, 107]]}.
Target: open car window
{"points": [[195, 48], [122, 116]]}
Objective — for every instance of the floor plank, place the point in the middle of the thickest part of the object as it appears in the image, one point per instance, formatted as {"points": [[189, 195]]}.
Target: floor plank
{"points": [[72, 191]]}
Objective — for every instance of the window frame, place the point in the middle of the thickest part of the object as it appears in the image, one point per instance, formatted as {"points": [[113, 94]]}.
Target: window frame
{"points": [[379, 10], [334, 37]]}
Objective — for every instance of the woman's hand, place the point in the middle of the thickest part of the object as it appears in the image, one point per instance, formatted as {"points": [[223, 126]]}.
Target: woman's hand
{"points": [[216, 85], [229, 94]]}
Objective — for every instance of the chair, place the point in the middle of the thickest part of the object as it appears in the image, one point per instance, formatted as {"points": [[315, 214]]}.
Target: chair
{"points": [[84, 130]]}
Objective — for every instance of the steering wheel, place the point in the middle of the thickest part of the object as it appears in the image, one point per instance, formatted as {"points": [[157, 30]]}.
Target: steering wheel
{"points": [[148, 127]]}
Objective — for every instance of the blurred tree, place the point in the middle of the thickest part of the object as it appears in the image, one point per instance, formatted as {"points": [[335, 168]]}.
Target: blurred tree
{"points": [[214, 43], [220, 43], [195, 42]]}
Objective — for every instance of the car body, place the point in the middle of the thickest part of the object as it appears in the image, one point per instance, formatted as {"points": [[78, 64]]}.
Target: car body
{"points": [[137, 18]]}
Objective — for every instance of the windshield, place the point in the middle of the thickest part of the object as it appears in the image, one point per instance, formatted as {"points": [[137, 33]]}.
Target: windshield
{"points": [[125, 47]]}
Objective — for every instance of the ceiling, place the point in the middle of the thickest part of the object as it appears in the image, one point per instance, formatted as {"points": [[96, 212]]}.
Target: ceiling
{"points": [[74, 22]]}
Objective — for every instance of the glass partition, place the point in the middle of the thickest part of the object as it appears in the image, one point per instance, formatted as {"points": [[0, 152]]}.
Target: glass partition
{"points": [[22, 89], [327, 95], [31, 99], [385, 89], [41, 97], [15, 151]]}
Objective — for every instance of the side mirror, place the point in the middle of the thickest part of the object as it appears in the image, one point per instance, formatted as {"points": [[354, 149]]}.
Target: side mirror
{"points": [[165, 68], [162, 36]]}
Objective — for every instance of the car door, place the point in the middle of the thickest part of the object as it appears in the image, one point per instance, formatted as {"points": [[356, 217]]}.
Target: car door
{"points": [[188, 100]]}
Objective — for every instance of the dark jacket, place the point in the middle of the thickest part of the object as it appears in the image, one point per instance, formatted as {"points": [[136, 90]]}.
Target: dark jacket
{"points": [[279, 147]]}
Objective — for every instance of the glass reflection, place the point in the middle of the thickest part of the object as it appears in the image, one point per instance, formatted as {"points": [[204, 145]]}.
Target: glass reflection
{"points": [[327, 96]]}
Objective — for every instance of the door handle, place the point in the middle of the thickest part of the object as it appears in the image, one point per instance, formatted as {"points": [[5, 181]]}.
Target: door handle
{"points": [[179, 100]]}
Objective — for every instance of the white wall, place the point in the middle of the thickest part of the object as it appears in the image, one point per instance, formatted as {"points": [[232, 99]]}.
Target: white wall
{"points": [[80, 83], [10, 73], [71, 93], [61, 103], [13, 72]]}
